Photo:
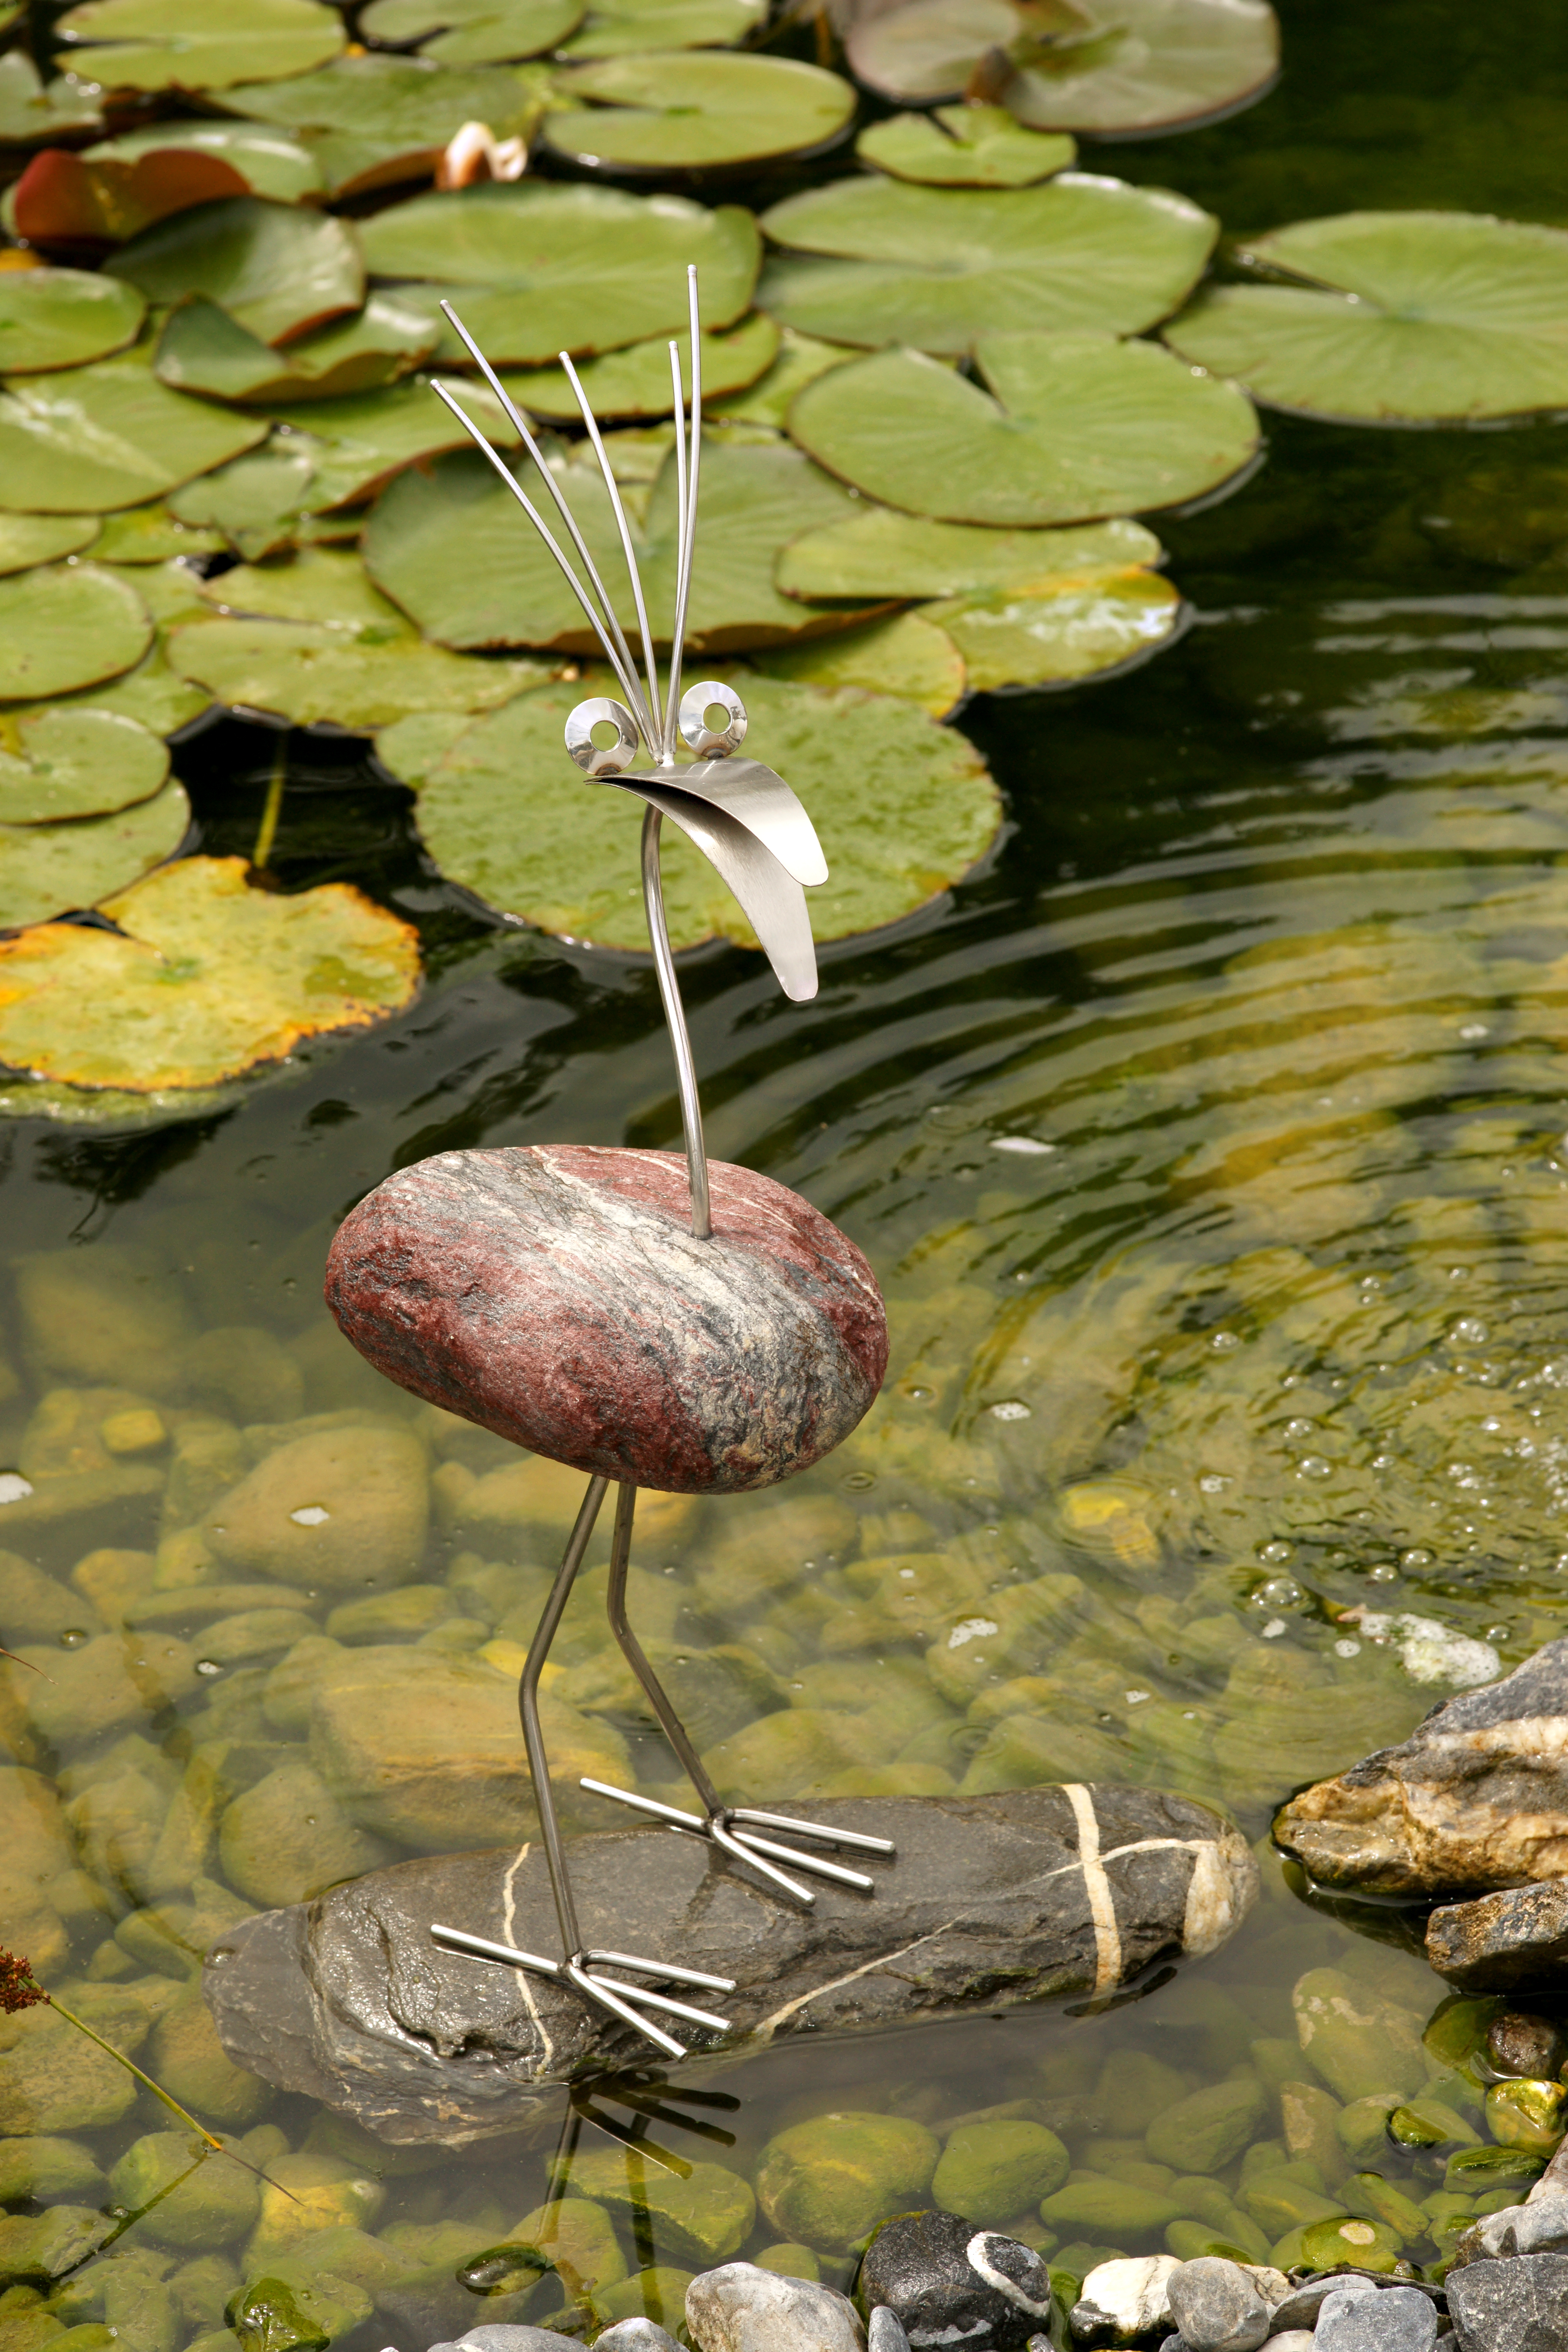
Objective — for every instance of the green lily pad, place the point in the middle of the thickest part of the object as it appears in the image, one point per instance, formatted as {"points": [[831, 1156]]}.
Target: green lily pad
{"points": [[27, 540], [535, 269], [474, 32], [358, 679], [903, 808], [1078, 630], [86, 440], [636, 381], [60, 762], [965, 147], [169, 45], [277, 269], [319, 583], [33, 111], [67, 627], [203, 349], [372, 120], [61, 317], [54, 870], [686, 111], [768, 401], [938, 266], [1079, 427], [152, 535], [151, 694], [355, 444], [877, 553], [614, 26], [268, 161], [1112, 68], [1433, 318], [454, 550], [212, 978], [255, 503], [904, 654], [63, 201]]}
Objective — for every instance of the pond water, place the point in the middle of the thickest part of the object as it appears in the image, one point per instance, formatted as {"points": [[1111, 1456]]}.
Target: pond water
{"points": [[1209, 1143]]}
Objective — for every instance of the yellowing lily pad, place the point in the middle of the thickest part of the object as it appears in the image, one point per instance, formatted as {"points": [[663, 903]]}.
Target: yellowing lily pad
{"points": [[636, 381], [170, 45], [63, 201], [452, 548], [877, 553], [1427, 318], [55, 869], [691, 111], [212, 978], [151, 535], [203, 349], [310, 672], [1075, 630], [267, 161], [371, 122], [32, 111], [61, 317], [67, 627], [534, 269], [277, 269], [27, 540], [89, 439], [473, 32], [1123, 68], [965, 147], [904, 654], [937, 268], [62, 763], [612, 26], [1075, 427], [903, 808]]}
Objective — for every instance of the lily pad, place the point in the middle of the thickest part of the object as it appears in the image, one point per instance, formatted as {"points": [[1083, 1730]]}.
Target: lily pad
{"points": [[1076, 630], [936, 268], [614, 26], [54, 870], [1075, 427], [535, 269], [269, 163], [904, 654], [682, 112], [637, 383], [1111, 67], [62, 200], [768, 401], [308, 672], [212, 978], [452, 549], [277, 269], [372, 120], [903, 808], [67, 627], [319, 583], [473, 32], [33, 111], [355, 444], [149, 535], [169, 45], [151, 694], [60, 762], [256, 502], [1433, 318], [877, 553], [203, 349], [89, 439], [27, 540], [61, 317], [965, 147]]}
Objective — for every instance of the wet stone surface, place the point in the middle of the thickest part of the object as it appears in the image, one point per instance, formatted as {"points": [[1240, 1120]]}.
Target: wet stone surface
{"points": [[1511, 2306], [948, 2283], [1504, 1942]]}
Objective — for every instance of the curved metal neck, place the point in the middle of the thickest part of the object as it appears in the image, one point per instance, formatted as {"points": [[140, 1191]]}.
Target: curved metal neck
{"points": [[675, 1014]]}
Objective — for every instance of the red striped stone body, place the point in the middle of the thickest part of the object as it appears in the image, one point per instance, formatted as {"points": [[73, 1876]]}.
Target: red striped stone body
{"points": [[556, 1295]]}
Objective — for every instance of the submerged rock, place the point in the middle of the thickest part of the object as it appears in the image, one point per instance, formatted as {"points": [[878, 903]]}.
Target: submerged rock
{"points": [[1475, 1799], [999, 1899]]}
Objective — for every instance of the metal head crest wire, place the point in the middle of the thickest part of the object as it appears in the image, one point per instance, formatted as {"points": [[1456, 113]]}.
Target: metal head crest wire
{"points": [[744, 819]]}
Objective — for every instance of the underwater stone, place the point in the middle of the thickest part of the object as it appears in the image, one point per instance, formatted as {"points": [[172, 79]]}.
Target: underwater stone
{"points": [[334, 1512], [740, 2309], [558, 1296], [1475, 1799], [704, 2218], [351, 2002], [46, 2168], [948, 2283], [287, 1836], [832, 2179], [1502, 1942], [1358, 2043], [1203, 2132], [991, 2172], [198, 2204], [1514, 2306], [47, 2245]]}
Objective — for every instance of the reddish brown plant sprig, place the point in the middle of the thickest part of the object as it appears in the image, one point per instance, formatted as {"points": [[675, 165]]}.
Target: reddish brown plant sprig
{"points": [[18, 1989]]}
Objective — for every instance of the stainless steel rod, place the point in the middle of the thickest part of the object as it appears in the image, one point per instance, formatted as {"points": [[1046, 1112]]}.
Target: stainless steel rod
{"points": [[679, 1035]]}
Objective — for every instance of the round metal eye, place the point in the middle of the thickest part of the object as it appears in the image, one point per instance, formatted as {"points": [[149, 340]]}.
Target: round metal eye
{"points": [[612, 757], [694, 727]]}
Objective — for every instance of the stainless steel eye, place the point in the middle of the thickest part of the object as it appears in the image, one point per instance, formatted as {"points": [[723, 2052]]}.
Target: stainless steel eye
{"points": [[694, 727], [612, 758]]}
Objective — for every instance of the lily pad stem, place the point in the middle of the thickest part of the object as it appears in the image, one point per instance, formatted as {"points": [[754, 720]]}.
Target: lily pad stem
{"points": [[273, 801]]}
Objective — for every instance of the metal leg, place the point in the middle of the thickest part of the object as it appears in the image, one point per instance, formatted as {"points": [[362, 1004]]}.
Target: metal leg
{"points": [[622, 2000], [731, 1827]]}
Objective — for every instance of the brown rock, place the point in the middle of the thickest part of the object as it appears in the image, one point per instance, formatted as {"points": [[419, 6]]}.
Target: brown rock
{"points": [[1502, 1942], [1530, 2047]]}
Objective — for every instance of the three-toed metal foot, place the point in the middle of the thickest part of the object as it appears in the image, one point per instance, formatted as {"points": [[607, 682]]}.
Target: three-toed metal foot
{"points": [[733, 1828], [623, 2000]]}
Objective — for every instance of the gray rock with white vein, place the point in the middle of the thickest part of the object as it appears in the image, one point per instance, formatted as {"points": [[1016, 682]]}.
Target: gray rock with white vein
{"points": [[1124, 2299], [741, 2308], [997, 1899], [954, 2288]]}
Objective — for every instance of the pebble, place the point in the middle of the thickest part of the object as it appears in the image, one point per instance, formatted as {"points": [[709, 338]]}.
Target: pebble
{"points": [[1300, 2311], [1397, 2319], [504, 2337], [740, 2309], [637, 2335], [1125, 2298], [1534, 2228], [1217, 2307], [1510, 2306], [884, 2331], [949, 2284]]}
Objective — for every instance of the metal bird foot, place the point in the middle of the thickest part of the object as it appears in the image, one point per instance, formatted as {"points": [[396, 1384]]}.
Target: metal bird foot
{"points": [[619, 2000], [734, 1830]]}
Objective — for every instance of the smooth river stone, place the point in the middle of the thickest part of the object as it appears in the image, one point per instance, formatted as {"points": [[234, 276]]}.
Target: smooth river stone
{"points": [[557, 1296]]}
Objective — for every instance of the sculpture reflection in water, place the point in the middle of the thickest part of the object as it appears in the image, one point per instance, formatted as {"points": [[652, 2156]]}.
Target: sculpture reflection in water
{"points": [[752, 827]]}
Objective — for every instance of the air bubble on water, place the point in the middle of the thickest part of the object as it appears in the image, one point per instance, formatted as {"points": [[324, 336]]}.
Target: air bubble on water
{"points": [[1382, 1573], [1299, 1428], [1416, 1557], [1136, 1697], [1312, 1465], [73, 1637], [208, 1666], [1278, 1592], [1222, 1341], [312, 1514], [859, 1480], [1010, 1408], [1470, 1331], [1381, 1461], [1472, 1030], [1499, 1633], [1492, 1426], [1276, 1551], [1347, 1649], [1214, 1485]]}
